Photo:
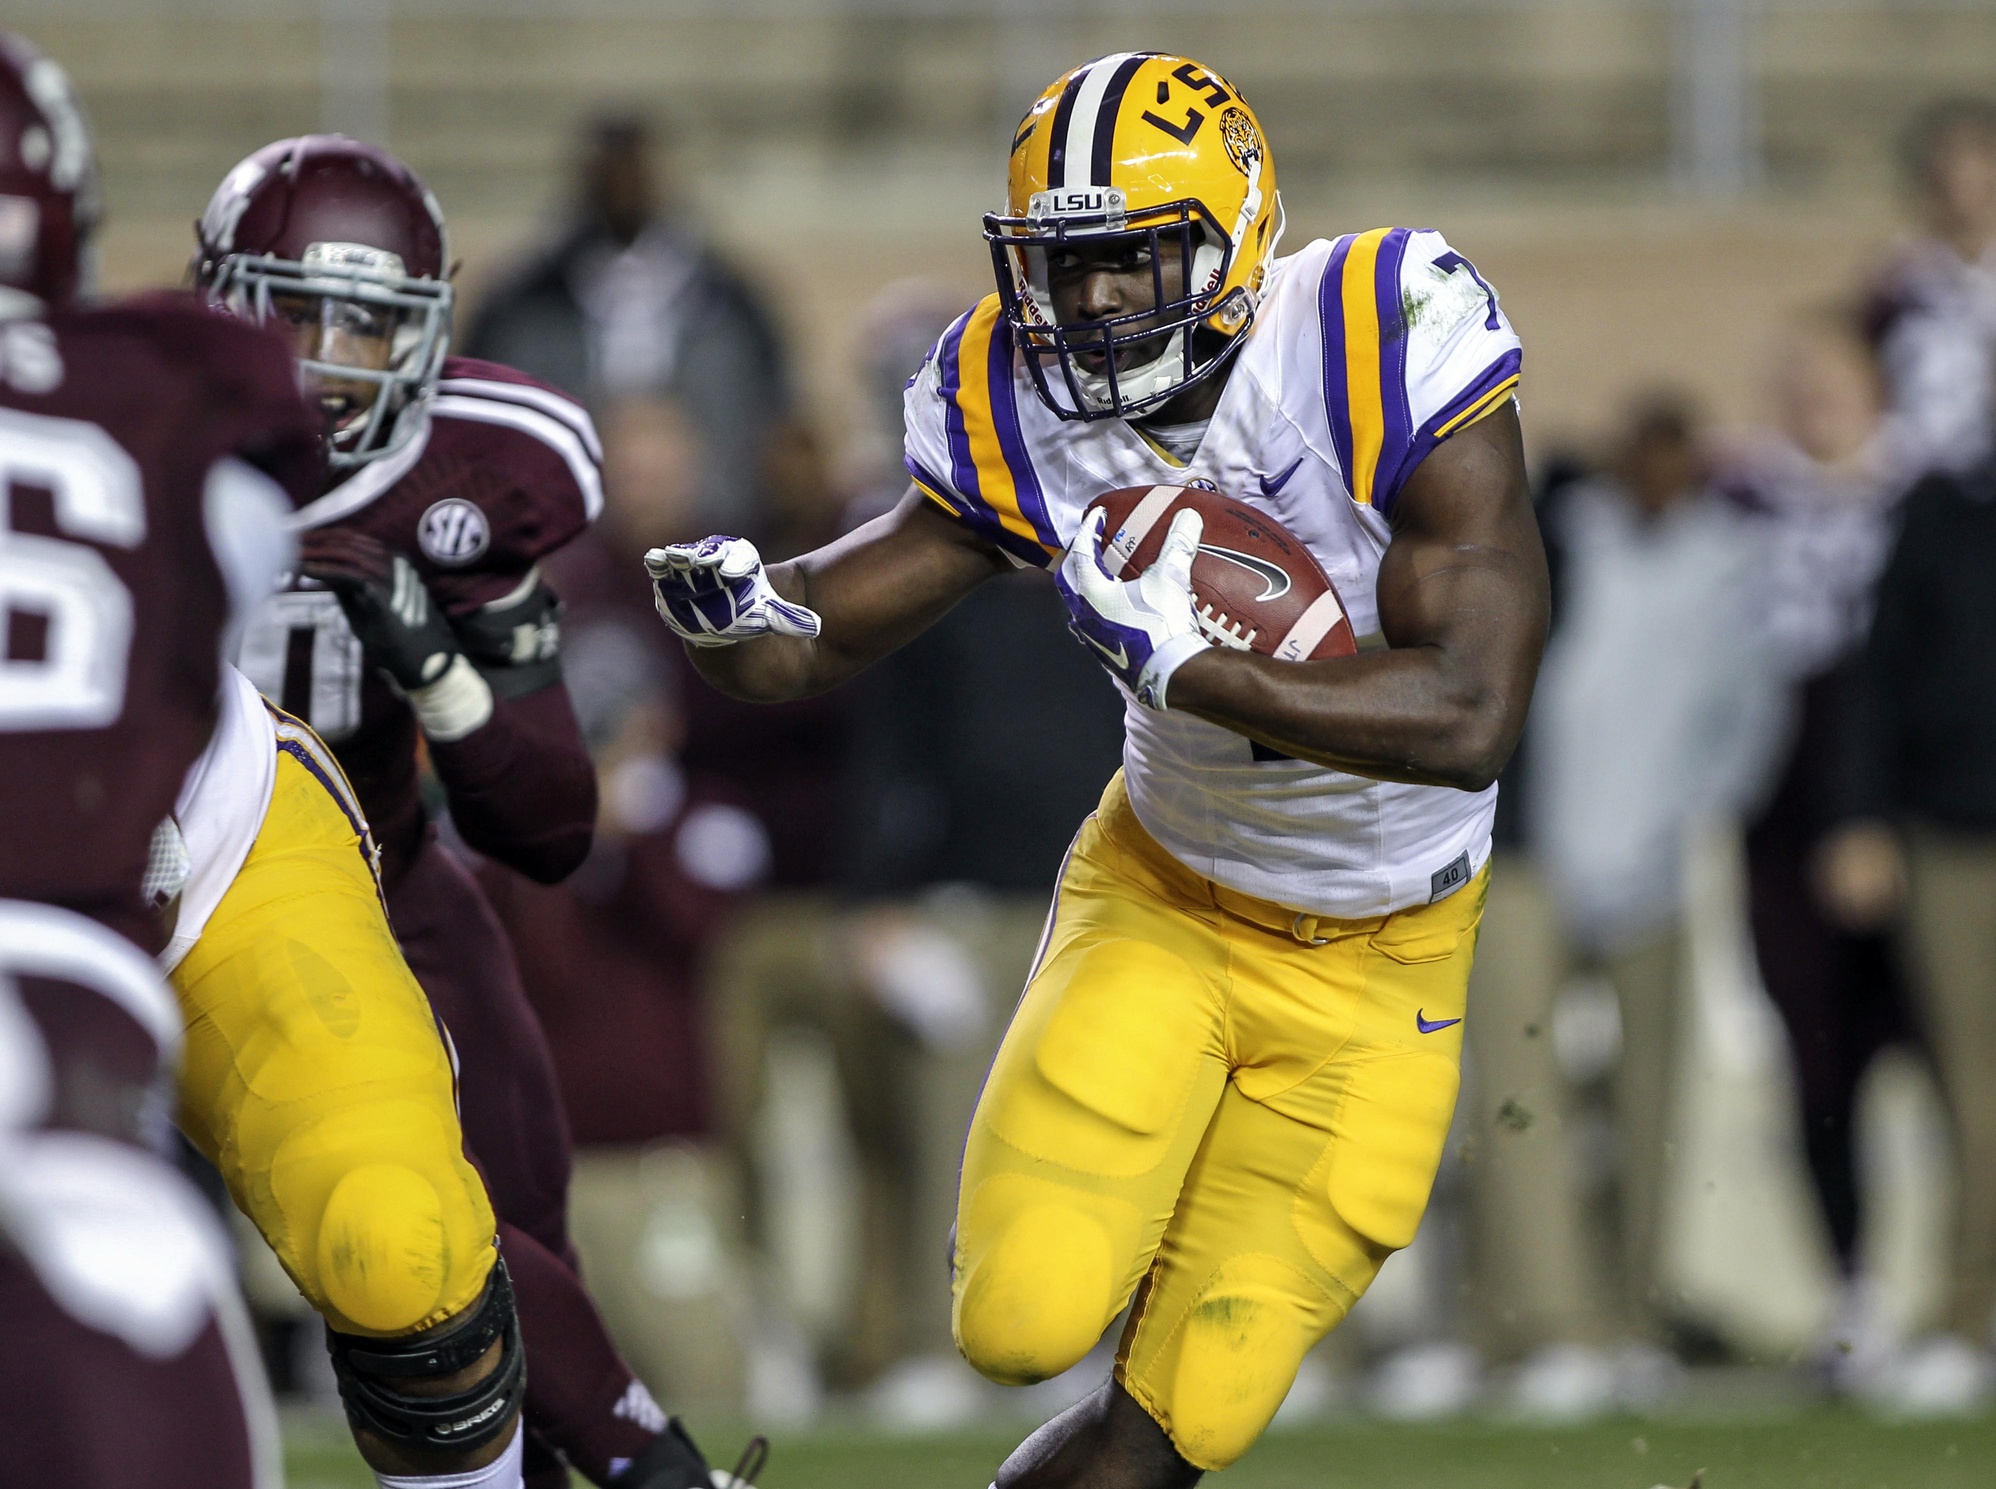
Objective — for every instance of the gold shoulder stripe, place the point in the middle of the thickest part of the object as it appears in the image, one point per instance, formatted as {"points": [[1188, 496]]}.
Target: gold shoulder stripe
{"points": [[1364, 396], [976, 431], [1489, 403]]}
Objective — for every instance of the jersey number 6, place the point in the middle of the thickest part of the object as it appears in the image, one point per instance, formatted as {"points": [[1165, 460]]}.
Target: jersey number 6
{"points": [[65, 616]]}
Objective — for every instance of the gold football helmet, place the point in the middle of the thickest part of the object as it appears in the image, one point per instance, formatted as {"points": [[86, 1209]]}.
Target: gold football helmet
{"points": [[1137, 144]]}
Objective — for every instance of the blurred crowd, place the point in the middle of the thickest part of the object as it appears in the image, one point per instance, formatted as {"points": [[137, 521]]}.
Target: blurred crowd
{"points": [[774, 987]]}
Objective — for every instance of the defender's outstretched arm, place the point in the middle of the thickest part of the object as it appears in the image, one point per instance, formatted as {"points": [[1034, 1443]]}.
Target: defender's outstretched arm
{"points": [[1464, 605], [874, 589]]}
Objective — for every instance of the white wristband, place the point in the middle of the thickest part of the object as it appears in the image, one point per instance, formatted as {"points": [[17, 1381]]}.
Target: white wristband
{"points": [[455, 704], [1167, 659]]}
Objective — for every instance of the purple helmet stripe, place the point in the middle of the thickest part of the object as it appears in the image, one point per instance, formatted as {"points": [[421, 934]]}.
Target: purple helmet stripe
{"points": [[1105, 119], [1057, 145]]}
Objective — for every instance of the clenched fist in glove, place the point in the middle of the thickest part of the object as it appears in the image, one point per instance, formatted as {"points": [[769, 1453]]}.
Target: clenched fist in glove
{"points": [[1142, 629], [715, 593], [401, 628]]}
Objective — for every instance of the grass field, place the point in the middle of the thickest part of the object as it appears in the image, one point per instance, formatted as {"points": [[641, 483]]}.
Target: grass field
{"points": [[1815, 1450]]}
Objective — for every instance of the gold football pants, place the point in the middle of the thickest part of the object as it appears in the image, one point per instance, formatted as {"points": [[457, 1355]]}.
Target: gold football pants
{"points": [[316, 1077], [1230, 1111]]}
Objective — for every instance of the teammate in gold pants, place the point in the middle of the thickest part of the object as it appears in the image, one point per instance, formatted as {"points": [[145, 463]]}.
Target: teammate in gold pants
{"points": [[1231, 1111], [317, 1080]]}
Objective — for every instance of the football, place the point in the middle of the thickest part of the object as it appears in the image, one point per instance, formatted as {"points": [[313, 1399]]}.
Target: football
{"points": [[1254, 584]]}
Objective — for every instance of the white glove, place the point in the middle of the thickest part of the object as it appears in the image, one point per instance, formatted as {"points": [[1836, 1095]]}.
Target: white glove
{"points": [[715, 593], [1143, 629]]}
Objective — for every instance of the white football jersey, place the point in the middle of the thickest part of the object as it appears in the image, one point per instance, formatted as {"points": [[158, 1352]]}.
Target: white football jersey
{"points": [[1366, 353]]}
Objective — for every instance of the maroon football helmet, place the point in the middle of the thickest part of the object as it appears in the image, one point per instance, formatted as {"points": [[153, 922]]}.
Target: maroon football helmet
{"points": [[48, 177], [341, 245]]}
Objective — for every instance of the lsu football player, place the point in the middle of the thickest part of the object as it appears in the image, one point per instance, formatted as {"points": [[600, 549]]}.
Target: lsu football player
{"points": [[318, 1081], [1223, 1096]]}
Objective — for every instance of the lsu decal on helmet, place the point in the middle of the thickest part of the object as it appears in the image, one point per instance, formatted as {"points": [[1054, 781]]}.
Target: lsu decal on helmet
{"points": [[1161, 151], [338, 244]]}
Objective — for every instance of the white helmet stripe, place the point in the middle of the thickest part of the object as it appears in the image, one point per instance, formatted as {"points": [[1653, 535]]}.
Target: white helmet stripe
{"points": [[1079, 146]]}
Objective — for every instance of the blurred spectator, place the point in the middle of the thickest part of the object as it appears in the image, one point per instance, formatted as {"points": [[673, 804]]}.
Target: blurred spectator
{"points": [[1933, 311], [1654, 710], [1538, 1287], [787, 761], [629, 303], [1917, 791], [611, 960], [1820, 487], [784, 765], [977, 748]]}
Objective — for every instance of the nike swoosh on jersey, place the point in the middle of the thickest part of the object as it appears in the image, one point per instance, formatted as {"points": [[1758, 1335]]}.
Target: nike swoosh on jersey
{"points": [[1274, 581], [1119, 658], [1430, 1026], [1269, 488]]}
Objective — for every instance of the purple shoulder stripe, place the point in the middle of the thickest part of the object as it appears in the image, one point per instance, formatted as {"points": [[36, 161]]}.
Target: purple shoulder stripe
{"points": [[1486, 383], [1011, 441], [1331, 313], [963, 466], [1397, 433], [975, 516]]}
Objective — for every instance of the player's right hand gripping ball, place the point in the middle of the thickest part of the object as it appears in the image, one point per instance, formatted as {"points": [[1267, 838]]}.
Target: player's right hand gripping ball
{"points": [[1141, 629], [715, 593]]}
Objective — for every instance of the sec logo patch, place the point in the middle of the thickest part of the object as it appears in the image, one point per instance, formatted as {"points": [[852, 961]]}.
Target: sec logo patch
{"points": [[452, 532]]}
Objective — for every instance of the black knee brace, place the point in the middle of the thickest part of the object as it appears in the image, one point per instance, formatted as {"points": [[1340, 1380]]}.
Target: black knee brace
{"points": [[371, 1371]]}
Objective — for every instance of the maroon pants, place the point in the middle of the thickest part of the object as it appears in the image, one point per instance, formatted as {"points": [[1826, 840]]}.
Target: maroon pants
{"points": [[507, 1096], [1838, 993], [517, 1132]]}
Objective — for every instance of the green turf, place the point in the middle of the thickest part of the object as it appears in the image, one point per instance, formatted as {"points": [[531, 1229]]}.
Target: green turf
{"points": [[1817, 1450]]}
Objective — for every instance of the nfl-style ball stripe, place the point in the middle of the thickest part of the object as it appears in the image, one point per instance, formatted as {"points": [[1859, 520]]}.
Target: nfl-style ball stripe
{"points": [[1128, 538], [1311, 627]]}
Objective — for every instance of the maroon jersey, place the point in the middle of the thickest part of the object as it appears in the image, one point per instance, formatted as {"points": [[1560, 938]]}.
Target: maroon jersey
{"points": [[504, 472], [120, 540]]}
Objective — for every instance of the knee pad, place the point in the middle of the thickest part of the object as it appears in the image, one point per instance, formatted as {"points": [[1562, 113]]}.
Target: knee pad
{"points": [[372, 1374], [381, 1250], [1216, 1381], [1038, 1297]]}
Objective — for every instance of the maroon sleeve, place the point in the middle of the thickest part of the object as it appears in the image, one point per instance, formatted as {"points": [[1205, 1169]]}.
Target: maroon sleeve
{"points": [[522, 788]]}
